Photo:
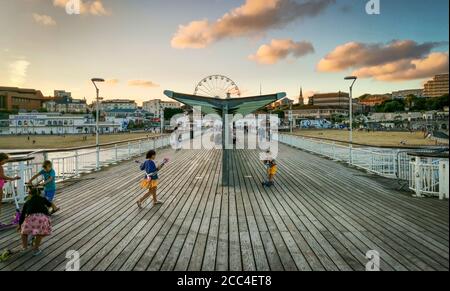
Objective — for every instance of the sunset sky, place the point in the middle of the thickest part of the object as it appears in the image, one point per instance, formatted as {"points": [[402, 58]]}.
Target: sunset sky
{"points": [[143, 47]]}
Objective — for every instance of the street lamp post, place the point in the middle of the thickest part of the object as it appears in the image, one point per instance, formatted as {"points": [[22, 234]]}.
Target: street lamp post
{"points": [[353, 79], [97, 113], [291, 118], [162, 119]]}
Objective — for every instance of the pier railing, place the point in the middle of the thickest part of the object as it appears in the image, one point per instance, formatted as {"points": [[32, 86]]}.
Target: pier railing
{"points": [[429, 175], [425, 176], [71, 163]]}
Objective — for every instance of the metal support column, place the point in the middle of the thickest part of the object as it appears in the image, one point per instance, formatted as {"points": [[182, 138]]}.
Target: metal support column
{"points": [[226, 152]]}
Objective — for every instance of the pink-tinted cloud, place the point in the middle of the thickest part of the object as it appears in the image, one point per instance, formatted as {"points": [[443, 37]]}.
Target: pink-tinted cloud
{"points": [[92, 7], [254, 17], [142, 83], [433, 64], [280, 49], [112, 82], [43, 19], [398, 60]]}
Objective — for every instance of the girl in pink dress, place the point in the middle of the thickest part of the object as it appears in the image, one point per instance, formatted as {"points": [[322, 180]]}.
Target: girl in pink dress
{"points": [[35, 220]]}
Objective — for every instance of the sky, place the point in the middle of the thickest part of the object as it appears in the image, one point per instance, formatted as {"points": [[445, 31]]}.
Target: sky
{"points": [[143, 47]]}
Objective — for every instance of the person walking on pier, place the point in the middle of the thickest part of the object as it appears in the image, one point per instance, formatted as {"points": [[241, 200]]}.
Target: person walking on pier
{"points": [[3, 178], [150, 182]]}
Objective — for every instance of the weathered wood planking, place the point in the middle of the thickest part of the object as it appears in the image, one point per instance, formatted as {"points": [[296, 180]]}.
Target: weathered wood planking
{"points": [[320, 215]]}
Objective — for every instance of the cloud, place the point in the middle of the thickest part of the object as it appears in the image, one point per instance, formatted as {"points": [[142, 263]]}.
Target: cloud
{"points": [[398, 60], [44, 20], [142, 83], [433, 64], [112, 82], [18, 72], [254, 17], [92, 7], [280, 49]]}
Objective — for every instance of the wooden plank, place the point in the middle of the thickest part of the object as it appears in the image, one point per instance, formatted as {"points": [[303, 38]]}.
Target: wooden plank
{"points": [[320, 215]]}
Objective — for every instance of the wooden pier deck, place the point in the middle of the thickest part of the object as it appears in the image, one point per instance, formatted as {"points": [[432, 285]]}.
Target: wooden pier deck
{"points": [[321, 215]]}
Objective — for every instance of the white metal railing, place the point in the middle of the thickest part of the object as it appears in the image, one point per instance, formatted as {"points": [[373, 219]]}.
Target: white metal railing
{"points": [[21, 168], [429, 177], [379, 161], [71, 164], [425, 176]]}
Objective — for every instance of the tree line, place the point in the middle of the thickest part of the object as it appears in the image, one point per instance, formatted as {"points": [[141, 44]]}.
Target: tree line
{"points": [[413, 103]]}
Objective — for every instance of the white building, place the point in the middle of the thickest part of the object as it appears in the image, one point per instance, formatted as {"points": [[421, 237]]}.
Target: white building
{"points": [[109, 105], [4, 126], [400, 116], [56, 123], [66, 105], [156, 106], [62, 94], [402, 94]]}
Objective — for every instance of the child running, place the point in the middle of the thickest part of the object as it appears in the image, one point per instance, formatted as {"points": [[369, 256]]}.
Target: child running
{"points": [[35, 221], [272, 170], [3, 178], [49, 183], [150, 182]]}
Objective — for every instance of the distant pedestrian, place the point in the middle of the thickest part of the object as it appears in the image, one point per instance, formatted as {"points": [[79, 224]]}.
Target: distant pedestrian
{"points": [[272, 170]]}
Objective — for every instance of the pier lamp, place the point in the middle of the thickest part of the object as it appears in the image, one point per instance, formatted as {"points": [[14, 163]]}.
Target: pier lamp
{"points": [[97, 142], [353, 79]]}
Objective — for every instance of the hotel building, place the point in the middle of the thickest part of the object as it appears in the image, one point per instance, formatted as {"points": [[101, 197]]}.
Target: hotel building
{"points": [[437, 87], [337, 100]]}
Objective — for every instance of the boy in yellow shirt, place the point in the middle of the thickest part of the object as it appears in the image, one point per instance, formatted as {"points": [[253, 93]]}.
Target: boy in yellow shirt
{"points": [[272, 170]]}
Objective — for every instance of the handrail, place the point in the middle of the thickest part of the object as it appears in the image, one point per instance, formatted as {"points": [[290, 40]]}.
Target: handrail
{"points": [[20, 159], [438, 154], [424, 176], [368, 145], [29, 153]]}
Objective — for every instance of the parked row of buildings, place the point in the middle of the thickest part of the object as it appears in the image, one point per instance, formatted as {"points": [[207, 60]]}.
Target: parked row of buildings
{"points": [[63, 114], [55, 124], [327, 105], [17, 99]]}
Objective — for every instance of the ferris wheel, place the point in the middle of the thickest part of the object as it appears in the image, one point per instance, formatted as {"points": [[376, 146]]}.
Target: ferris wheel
{"points": [[217, 86]]}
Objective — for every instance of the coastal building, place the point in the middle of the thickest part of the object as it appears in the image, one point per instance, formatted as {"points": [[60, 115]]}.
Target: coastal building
{"points": [[400, 116], [336, 100], [128, 113], [56, 124], [374, 100], [4, 126], [436, 87], [403, 94], [155, 106], [281, 103], [64, 103], [108, 105], [318, 113], [13, 98], [62, 94]]}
